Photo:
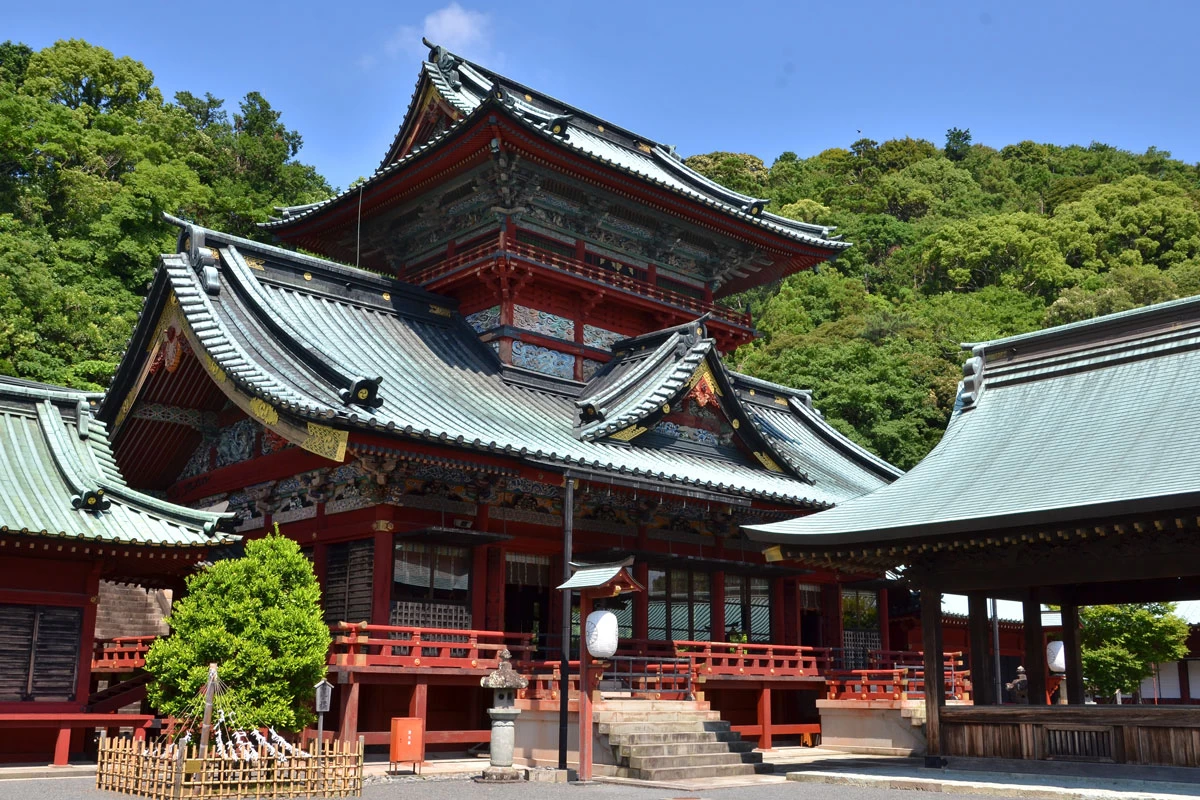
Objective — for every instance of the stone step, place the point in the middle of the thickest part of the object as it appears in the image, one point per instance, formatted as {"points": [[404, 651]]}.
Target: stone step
{"points": [[683, 773], [629, 704], [625, 728], [685, 749], [655, 716], [693, 737], [652, 763]]}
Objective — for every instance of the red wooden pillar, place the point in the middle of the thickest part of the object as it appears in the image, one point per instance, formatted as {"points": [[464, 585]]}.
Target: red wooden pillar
{"points": [[381, 577], [790, 633], [479, 587], [83, 681], [718, 606], [348, 726], [1185, 685], [494, 619], [418, 703], [777, 602], [764, 717], [885, 635], [641, 603], [62, 746]]}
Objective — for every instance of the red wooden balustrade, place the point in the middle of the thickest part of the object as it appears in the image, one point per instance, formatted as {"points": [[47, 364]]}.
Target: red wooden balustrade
{"points": [[122, 654], [359, 644], [736, 659], [895, 659], [891, 684], [492, 249]]}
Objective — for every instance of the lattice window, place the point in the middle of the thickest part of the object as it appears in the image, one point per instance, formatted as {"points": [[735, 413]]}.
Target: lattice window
{"points": [[349, 581], [855, 647]]}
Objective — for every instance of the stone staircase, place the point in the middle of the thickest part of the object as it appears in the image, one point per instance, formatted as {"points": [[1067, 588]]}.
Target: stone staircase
{"points": [[664, 740]]}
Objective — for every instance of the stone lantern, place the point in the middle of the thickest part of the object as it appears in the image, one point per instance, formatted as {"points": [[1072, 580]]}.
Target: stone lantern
{"points": [[504, 682]]}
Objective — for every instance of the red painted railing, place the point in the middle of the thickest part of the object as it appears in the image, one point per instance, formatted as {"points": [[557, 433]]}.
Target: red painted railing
{"points": [[519, 250], [895, 659], [746, 659], [429, 648], [891, 684], [122, 654]]}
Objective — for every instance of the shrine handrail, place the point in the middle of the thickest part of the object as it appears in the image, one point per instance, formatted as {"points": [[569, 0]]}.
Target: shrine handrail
{"points": [[904, 683], [121, 653], [741, 659], [361, 644], [895, 659], [495, 247]]}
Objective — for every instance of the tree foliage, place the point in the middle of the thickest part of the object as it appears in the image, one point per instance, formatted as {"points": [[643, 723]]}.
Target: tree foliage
{"points": [[1122, 644], [258, 618], [90, 156], [956, 244]]}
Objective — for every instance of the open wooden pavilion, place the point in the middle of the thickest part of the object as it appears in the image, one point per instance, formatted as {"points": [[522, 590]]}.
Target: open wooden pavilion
{"points": [[1066, 476]]}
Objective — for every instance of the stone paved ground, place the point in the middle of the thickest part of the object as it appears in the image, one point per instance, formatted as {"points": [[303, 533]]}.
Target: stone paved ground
{"points": [[83, 789]]}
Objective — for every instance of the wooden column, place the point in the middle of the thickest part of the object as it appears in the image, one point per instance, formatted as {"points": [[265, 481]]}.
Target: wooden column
{"points": [[62, 746], [983, 685], [87, 636], [641, 602], [480, 587], [1185, 684], [935, 664], [717, 613], [381, 577], [764, 717], [1035, 649], [1072, 652], [419, 701], [348, 725], [777, 602]]}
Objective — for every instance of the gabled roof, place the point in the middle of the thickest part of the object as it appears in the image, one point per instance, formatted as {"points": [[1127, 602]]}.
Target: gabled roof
{"points": [[298, 334], [469, 88], [58, 477], [1083, 421]]}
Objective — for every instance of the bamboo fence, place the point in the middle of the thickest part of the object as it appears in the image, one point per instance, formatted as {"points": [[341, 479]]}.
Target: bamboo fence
{"points": [[160, 771]]}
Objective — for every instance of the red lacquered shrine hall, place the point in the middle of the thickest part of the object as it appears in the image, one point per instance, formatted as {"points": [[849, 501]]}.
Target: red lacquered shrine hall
{"points": [[530, 342]]}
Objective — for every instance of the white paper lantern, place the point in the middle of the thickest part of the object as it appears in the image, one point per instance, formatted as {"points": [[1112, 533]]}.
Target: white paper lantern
{"points": [[1056, 657], [602, 634]]}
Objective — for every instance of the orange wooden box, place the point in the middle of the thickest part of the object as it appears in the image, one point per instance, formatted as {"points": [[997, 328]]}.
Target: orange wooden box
{"points": [[407, 745]]}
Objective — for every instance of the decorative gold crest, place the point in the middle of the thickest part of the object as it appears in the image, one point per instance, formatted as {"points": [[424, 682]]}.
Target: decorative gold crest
{"points": [[768, 462], [626, 434], [264, 411], [327, 442]]}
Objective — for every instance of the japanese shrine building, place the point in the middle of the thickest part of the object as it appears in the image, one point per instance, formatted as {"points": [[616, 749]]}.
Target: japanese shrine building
{"points": [[67, 521], [1066, 476], [535, 316]]}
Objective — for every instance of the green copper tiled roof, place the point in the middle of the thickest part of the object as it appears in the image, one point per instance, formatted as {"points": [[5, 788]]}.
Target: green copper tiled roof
{"points": [[1078, 422], [299, 330], [58, 477], [473, 88]]}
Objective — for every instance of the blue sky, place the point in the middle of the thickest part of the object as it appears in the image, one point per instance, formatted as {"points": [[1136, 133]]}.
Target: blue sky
{"points": [[758, 77]]}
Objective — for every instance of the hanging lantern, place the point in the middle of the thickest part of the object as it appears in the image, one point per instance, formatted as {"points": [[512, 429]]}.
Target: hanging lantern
{"points": [[1056, 657], [602, 634]]}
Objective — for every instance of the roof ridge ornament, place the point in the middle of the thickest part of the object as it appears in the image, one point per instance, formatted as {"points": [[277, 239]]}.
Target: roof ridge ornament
{"points": [[971, 386], [204, 260], [445, 61], [363, 392], [92, 500]]}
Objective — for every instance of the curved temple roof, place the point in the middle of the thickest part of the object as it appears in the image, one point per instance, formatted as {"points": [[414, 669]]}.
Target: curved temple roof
{"points": [[304, 336], [1082, 421], [468, 87], [58, 477]]}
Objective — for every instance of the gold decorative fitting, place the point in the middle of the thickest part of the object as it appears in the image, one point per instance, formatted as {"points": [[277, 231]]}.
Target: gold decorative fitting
{"points": [[256, 263], [557, 129], [645, 148], [528, 98], [214, 369], [736, 424], [264, 411], [780, 401], [439, 311], [752, 393], [768, 462], [387, 295], [627, 434], [308, 276], [327, 442], [600, 128], [699, 331], [666, 408], [363, 394]]}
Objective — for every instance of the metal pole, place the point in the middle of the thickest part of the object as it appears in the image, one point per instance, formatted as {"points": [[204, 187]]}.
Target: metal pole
{"points": [[996, 652], [210, 688], [565, 648]]}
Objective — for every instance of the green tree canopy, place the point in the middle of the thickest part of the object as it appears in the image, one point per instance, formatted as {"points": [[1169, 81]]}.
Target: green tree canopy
{"points": [[1122, 644], [258, 618]]}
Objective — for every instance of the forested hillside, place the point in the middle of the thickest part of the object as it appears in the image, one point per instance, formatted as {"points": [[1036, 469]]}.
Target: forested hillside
{"points": [[90, 156], [954, 244]]}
